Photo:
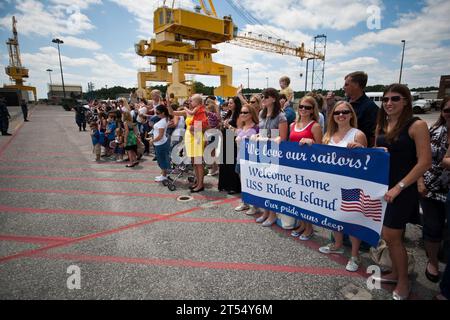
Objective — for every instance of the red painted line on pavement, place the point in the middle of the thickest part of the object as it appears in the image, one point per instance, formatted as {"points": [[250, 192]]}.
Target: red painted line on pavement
{"points": [[311, 270], [90, 179], [11, 139], [102, 163], [5, 176], [29, 253], [21, 153], [105, 193], [32, 239], [79, 212], [211, 220], [78, 169]]}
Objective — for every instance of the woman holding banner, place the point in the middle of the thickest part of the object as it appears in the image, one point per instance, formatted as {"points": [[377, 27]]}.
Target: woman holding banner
{"points": [[272, 127], [342, 131], [306, 130], [407, 140], [247, 126]]}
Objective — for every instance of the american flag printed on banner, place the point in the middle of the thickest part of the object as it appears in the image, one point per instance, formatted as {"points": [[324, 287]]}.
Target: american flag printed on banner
{"points": [[354, 200]]}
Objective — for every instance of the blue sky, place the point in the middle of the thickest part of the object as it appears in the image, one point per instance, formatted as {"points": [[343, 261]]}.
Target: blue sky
{"points": [[99, 38]]}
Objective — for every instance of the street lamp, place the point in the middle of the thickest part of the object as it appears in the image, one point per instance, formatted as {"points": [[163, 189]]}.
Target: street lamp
{"points": [[58, 42], [248, 78], [401, 65], [50, 75], [267, 82]]}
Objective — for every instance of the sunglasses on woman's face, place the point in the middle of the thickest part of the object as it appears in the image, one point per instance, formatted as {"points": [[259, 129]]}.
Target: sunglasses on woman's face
{"points": [[446, 110], [252, 101], [393, 99], [301, 107], [344, 112], [245, 112]]}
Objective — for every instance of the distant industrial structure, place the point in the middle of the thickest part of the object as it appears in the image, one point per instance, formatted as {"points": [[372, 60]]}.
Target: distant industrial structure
{"points": [[16, 72], [56, 93]]}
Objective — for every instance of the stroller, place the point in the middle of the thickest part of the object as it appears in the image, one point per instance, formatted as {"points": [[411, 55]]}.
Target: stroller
{"points": [[178, 171]]}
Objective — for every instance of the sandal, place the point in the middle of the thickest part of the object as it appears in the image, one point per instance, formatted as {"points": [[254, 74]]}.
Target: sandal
{"points": [[297, 233]]}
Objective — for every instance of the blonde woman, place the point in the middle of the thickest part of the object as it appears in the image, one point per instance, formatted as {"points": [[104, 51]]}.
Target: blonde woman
{"points": [[342, 132], [247, 126], [306, 130]]}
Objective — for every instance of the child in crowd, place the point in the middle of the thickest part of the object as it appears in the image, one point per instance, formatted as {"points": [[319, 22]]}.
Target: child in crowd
{"points": [[286, 90], [110, 133], [199, 114], [97, 140], [120, 147]]}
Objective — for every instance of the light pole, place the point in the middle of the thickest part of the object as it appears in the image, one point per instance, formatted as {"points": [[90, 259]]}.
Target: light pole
{"points": [[401, 65], [248, 79], [267, 82], [58, 42], [50, 75]]}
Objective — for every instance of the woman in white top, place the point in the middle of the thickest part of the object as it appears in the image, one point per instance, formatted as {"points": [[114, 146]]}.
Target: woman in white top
{"points": [[342, 132], [161, 142]]}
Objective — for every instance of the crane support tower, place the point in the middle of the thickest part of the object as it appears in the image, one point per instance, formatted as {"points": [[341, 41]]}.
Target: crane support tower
{"points": [[16, 72], [318, 71]]}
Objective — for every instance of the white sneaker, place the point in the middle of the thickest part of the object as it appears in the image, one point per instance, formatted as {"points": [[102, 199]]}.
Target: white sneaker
{"points": [[160, 178], [242, 207], [353, 264], [253, 210], [331, 248]]}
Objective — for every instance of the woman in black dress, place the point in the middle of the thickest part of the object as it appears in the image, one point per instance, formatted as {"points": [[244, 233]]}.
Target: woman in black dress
{"points": [[229, 180], [407, 140]]}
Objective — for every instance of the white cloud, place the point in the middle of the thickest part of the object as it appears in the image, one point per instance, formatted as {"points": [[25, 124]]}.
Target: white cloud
{"points": [[34, 18], [311, 14], [81, 4], [82, 43]]}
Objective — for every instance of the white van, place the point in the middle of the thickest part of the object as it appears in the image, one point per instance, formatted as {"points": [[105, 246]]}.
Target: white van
{"points": [[375, 97], [419, 105]]}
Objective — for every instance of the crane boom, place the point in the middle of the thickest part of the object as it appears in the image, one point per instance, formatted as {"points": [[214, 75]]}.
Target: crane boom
{"points": [[205, 9], [268, 44]]}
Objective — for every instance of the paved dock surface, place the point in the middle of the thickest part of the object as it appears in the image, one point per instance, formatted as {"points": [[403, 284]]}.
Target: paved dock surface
{"points": [[130, 238]]}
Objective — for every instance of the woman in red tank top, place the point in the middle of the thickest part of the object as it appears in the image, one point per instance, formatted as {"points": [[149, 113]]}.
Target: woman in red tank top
{"points": [[306, 130]]}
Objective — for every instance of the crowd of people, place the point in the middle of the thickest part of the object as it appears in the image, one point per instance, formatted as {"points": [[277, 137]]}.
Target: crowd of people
{"points": [[419, 156]]}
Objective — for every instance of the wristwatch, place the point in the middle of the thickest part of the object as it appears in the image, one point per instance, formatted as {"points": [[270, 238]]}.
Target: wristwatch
{"points": [[401, 185]]}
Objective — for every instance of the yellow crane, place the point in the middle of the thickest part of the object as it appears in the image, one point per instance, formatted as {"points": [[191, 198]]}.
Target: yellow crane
{"points": [[16, 72], [187, 37]]}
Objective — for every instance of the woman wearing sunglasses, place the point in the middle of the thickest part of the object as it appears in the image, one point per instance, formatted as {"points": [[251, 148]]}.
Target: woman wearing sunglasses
{"points": [[273, 127], [407, 140], [433, 188], [306, 130], [247, 127], [342, 132]]}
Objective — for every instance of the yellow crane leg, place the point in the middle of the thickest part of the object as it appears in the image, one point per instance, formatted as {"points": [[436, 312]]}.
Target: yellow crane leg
{"points": [[203, 67], [160, 75]]}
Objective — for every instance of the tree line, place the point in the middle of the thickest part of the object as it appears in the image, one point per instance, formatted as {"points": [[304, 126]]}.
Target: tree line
{"points": [[114, 92]]}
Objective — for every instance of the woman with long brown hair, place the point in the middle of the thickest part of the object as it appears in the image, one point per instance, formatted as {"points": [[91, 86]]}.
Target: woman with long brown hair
{"points": [[407, 140], [272, 126], [433, 188]]}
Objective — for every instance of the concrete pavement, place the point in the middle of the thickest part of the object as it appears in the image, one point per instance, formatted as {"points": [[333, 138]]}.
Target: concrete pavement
{"points": [[132, 239]]}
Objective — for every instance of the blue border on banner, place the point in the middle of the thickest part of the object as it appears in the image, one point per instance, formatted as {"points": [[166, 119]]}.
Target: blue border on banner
{"points": [[358, 231], [373, 163]]}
